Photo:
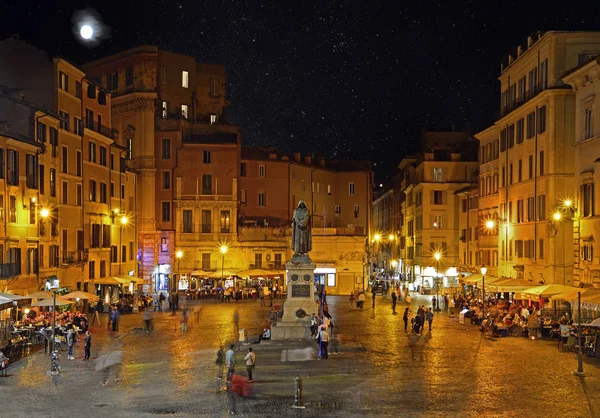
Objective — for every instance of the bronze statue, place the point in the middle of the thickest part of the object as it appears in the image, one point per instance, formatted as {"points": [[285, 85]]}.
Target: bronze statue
{"points": [[301, 235]]}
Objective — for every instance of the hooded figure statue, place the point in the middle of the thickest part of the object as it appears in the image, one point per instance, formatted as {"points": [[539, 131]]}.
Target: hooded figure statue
{"points": [[301, 236]]}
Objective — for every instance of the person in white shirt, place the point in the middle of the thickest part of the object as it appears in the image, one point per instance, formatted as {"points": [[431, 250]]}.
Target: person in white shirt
{"points": [[250, 360], [324, 338], [230, 361]]}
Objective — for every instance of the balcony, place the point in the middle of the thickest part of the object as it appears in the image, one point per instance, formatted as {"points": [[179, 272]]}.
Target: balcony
{"points": [[9, 270], [74, 257], [101, 129]]}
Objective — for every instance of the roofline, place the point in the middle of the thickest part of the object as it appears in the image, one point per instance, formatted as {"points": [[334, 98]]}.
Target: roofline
{"points": [[58, 59], [573, 73]]}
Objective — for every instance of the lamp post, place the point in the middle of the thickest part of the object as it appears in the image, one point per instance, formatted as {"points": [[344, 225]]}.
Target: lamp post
{"points": [[223, 248], [178, 256], [437, 257], [579, 371], [123, 221], [483, 271]]}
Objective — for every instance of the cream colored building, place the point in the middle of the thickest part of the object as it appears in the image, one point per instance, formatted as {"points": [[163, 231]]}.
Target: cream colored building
{"points": [[585, 81], [536, 157], [60, 207]]}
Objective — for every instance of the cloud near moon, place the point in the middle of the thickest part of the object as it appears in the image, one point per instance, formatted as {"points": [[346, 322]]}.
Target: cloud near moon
{"points": [[88, 27]]}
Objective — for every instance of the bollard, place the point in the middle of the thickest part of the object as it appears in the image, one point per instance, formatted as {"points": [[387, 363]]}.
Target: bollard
{"points": [[298, 396]]}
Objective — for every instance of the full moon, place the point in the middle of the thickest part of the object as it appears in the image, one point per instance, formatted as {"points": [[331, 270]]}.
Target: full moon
{"points": [[86, 31]]}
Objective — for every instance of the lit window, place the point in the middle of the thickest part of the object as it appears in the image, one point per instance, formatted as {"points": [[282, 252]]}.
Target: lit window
{"points": [[351, 189], [184, 111], [164, 110], [184, 79], [261, 171], [437, 175], [213, 119]]}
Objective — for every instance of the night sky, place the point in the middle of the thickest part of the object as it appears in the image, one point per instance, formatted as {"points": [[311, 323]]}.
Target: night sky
{"points": [[352, 79]]}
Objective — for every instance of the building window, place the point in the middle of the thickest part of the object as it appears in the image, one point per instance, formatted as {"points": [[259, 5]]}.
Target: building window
{"points": [[184, 79], [163, 111], [112, 189], [437, 197], [243, 197], [129, 76], [92, 268], [79, 193], [12, 209], [588, 128], [531, 125], [166, 148], [188, 221], [184, 111], [53, 182], [166, 211], [262, 199], [42, 177], [258, 260], [503, 140], [31, 171], [587, 252], [242, 169], [164, 245], [113, 254], [338, 209], [206, 221], [65, 193], [520, 212], [112, 81], [92, 189], [166, 180], [95, 236], [63, 81], [329, 189], [78, 128], [437, 221], [122, 191], [213, 119], [510, 174], [206, 157], [530, 209], [261, 170], [206, 261], [542, 171], [520, 172], [277, 261], [351, 189], [103, 156], [103, 193], [356, 210], [206, 184], [92, 152], [587, 198], [130, 250], [437, 175], [520, 131], [530, 167], [213, 85], [78, 163], [541, 248], [123, 253], [41, 132], [163, 75], [541, 120], [225, 222], [541, 209], [511, 136], [65, 121]]}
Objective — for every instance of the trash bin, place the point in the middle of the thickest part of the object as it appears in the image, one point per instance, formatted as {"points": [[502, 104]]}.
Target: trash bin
{"points": [[461, 316], [243, 335]]}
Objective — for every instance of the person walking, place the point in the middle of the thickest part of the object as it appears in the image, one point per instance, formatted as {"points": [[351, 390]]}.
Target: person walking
{"points": [[418, 322], [434, 302], [184, 321], [147, 320], [230, 361], [429, 317], [394, 300], [87, 345], [250, 360], [220, 362], [373, 298], [405, 319], [361, 300], [70, 343], [324, 342], [352, 299]]}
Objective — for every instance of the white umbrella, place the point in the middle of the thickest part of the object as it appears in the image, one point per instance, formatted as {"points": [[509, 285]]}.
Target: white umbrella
{"points": [[13, 297], [40, 295], [594, 323], [79, 295], [50, 302]]}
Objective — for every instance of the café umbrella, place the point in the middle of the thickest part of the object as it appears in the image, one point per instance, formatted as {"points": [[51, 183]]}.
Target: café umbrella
{"points": [[40, 295], [50, 302], [79, 295]]}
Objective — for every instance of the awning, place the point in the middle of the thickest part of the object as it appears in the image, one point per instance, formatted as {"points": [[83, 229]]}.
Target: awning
{"points": [[128, 279], [260, 272], [588, 294], [478, 279], [546, 291], [507, 284]]}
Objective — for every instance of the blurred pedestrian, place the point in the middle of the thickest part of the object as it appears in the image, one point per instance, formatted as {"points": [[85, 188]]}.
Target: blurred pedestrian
{"points": [[147, 320], [220, 362], [394, 300], [373, 298], [250, 362], [418, 323], [324, 342], [184, 321], [361, 300], [429, 317], [87, 345], [70, 343], [352, 299], [405, 319], [230, 361]]}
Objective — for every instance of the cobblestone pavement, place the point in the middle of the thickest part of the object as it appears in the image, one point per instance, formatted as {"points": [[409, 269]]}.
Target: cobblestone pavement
{"points": [[452, 371]]}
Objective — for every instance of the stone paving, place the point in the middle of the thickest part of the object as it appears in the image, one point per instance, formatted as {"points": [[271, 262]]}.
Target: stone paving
{"points": [[452, 371]]}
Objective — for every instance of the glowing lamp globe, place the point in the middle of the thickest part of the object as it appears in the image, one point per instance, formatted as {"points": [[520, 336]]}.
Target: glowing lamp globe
{"points": [[86, 32]]}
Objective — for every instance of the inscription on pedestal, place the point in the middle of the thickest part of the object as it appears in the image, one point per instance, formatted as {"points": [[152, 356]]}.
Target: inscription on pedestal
{"points": [[301, 291]]}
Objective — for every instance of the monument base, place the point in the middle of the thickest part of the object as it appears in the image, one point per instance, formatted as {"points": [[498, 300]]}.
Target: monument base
{"points": [[300, 303]]}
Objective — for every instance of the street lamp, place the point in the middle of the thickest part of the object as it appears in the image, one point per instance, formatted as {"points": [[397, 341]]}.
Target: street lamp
{"points": [[223, 248], [490, 224], [178, 256], [437, 257], [483, 271]]}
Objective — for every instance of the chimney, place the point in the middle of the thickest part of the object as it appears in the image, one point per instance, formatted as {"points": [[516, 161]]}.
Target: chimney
{"points": [[322, 162], [510, 59], [529, 41], [307, 159], [272, 156], [519, 50], [297, 157]]}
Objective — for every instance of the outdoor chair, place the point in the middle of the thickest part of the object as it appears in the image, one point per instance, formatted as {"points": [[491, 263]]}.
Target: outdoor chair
{"points": [[569, 345]]}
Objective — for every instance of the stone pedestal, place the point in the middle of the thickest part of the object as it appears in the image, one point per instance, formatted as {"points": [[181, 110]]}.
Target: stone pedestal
{"points": [[300, 303]]}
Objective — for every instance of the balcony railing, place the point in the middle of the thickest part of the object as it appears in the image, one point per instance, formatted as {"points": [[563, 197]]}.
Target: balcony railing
{"points": [[101, 129], [9, 270], [74, 257]]}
